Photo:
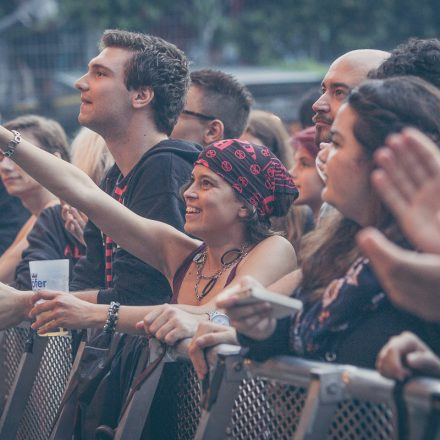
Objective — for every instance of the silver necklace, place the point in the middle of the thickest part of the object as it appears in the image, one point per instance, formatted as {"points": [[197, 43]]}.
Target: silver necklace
{"points": [[226, 262]]}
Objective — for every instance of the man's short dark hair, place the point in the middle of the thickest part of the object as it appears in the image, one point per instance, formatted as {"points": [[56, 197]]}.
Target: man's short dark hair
{"points": [[417, 57], [48, 133], [158, 64], [225, 98]]}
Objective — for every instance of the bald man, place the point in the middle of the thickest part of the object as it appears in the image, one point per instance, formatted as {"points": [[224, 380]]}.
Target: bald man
{"points": [[346, 72]]}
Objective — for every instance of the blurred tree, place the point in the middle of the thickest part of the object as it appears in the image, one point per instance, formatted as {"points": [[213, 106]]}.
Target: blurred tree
{"points": [[193, 22], [259, 31], [102, 14], [266, 31]]}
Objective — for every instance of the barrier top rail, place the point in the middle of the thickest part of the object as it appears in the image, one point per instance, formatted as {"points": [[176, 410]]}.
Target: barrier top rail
{"points": [[286, 368], [329, 388]]}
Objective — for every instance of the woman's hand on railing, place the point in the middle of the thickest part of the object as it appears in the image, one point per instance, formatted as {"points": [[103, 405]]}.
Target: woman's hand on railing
{"points": [[208, 335], [170, 324], [405, 354], [252, 320]]}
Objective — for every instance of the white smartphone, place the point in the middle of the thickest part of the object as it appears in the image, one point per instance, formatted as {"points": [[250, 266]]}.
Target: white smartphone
{"points": [[282, 305]]}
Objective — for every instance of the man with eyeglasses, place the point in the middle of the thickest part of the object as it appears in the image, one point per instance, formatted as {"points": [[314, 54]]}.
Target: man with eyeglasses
{"points": [[217, 107]]}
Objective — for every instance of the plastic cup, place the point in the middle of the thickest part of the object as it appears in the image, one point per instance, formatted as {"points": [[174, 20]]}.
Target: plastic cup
{"points": [[50, 275]]}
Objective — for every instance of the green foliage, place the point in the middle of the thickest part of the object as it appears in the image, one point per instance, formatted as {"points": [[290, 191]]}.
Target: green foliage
{"points": [[325, 29], [102, 14], [261, 31]]}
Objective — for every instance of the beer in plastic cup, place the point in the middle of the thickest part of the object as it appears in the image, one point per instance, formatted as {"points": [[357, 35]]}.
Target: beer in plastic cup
{"points": [[50, 275]]}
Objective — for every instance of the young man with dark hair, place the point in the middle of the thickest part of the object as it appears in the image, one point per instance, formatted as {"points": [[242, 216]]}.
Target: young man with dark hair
{"points": [[132, 95], [217, 107]]}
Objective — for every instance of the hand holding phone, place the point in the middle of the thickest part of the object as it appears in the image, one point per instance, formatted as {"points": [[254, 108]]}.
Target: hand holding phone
{"points": [[282, 305]]}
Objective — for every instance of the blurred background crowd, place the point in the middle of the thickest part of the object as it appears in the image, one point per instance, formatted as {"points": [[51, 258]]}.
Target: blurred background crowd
{"points": [[279, 50]]}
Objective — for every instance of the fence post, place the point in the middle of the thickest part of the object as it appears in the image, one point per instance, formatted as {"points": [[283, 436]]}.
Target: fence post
{"points": [[218, 400], [21, 388], [325, 391], [133, 420], [3, 386], [58, 429], [422, 399]]}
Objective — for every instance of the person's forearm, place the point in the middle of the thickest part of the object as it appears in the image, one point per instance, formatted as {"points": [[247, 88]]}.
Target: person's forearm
{"points": [[10, 259], [129, 316], [8, 264], [87, 295], [95, 316], [15, 306], [197, 310], [12, 256], [60, 177]]}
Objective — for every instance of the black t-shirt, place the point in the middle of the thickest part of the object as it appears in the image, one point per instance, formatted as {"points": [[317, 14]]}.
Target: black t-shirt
{"points": [[153, 191], [13, 216], [48, 240]]}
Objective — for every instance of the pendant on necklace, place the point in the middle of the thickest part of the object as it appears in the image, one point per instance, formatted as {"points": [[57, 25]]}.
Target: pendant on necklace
{"points": [[209, 286], [230, 256], [199, 258]]}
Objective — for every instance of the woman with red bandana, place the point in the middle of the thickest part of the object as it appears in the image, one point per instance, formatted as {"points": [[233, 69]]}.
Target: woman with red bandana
{"points": [[235, 188]]}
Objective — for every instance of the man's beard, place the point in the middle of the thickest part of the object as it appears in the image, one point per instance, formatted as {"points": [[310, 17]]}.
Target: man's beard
{"points": [[322, 134]]}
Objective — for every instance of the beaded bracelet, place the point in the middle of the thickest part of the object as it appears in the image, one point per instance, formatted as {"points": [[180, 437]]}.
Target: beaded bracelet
{"points": [[12, 144], [112, 318]]}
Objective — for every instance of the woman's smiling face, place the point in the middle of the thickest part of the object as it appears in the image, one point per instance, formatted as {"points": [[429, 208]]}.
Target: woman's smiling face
{"points": [[211, 204]]}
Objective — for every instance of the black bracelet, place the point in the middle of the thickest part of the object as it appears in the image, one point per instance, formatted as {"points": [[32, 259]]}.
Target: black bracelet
{"points": [[112, 318]]}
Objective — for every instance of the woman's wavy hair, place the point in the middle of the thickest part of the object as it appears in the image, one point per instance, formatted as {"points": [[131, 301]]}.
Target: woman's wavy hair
{"points": [[382, 107]]}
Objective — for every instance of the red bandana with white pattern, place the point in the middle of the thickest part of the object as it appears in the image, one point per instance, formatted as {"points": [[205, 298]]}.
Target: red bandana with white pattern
{"points": [[254, 172]]}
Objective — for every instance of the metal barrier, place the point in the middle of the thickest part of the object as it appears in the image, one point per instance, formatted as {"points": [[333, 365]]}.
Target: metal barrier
{"points": [[282, 398], [33, 383]]}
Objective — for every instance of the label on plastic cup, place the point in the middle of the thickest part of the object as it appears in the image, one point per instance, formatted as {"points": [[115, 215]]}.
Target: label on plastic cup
{"points": [[50, 275]]}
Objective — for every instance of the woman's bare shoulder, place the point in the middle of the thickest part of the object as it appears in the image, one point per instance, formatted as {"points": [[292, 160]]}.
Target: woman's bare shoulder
{"points": [[275, 243]]}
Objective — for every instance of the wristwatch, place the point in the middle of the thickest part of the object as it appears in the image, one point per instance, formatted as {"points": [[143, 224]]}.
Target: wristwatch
{"points": [[12, 144], [218, 318]]}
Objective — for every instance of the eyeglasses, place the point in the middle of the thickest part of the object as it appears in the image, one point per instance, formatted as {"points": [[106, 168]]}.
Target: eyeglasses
{"points": [[198, 115]]}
